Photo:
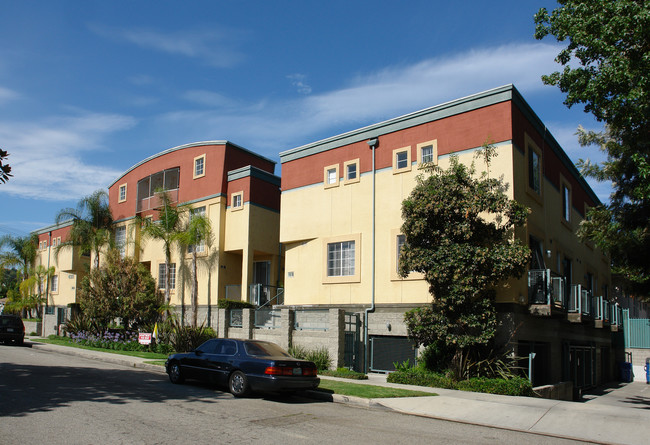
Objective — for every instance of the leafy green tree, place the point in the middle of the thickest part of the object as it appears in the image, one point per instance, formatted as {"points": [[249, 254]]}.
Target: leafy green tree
{"points": [[122, 288], [20, 252], [605, 69], [8, 280], [92, 225], [459, 233], [5, 169]]}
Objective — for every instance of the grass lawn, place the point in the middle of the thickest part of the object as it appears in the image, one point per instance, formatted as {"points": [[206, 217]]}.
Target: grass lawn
{"points": [[367, 391], [65, 341]]}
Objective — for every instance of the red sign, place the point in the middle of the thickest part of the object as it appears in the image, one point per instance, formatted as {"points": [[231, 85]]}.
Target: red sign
{"points": [[144, 339]]}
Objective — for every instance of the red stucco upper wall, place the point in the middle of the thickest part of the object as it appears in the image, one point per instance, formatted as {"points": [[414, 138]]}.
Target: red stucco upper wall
{"points": [[553, 166], [219, 159], [256, 191], [455, 133], [56, 233]]}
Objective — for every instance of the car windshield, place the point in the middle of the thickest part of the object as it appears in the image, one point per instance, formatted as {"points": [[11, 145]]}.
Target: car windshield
{"points": [[265, 349]]}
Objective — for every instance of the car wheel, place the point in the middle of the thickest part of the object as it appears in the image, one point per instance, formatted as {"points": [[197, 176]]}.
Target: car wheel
{"points": [[175, 374], [20, 341], [238, 384]]}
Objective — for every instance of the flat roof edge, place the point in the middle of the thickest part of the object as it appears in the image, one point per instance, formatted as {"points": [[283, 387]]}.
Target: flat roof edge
{"points": [[447, 109]]}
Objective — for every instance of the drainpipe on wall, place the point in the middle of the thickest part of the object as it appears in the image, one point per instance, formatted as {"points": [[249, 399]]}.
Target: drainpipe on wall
{"points": [[373, 143]]}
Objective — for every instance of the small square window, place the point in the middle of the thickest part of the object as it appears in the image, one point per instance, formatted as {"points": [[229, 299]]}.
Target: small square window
{"points": [[351, 171], [199, 166], [122, 196], [237, 201], [331, 176], [401, 160]]}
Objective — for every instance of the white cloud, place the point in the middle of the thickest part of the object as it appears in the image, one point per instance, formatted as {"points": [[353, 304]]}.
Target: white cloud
{"points": [[298, 81], [47, 157], [214, 47], [208, 98], [6, 95], [373, 97]]}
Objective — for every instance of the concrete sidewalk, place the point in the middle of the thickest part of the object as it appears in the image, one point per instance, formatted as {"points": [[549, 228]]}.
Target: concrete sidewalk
{"points": [[619, 414]]}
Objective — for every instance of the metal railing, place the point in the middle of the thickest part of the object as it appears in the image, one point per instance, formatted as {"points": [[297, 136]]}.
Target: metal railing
{"points": [[545, 288], [155, 201], [267, 318], [312, 319], [265, 295], [575, 302], [236, 318]]}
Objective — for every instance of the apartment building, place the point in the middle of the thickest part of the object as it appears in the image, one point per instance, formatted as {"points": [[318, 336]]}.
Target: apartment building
{"points": [[237, 191], [60, 289], [341, 218]]}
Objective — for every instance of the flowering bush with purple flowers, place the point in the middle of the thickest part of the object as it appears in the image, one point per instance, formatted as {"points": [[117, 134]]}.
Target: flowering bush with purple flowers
{"points": [[119, 340]]}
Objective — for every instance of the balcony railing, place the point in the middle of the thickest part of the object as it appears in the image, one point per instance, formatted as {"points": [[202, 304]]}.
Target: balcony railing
{"points": [[265, 295], [580, 301], [155, 201], [544, 288]]}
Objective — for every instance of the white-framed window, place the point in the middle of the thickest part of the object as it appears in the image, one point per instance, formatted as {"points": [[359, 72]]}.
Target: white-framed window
{"points": [[401, 239], [331, 176], [341, 259], [427, 152], [351, 171], [200, 247], [122, 193], [566, 200], [120, 240], [401, 159], [237, 201], [162, 276], [534, 166], [54, 283], [199, 166]]}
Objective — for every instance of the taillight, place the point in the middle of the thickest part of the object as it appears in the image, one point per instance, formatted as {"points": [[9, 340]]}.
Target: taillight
{"points": [[277, 370], [309, 371]]}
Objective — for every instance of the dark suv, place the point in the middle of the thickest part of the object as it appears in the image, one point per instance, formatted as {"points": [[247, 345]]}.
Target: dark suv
{"points": [[12, 329]]}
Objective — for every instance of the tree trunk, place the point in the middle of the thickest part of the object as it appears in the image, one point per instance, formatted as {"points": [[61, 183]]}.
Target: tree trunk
{"points": [[195, 290]]}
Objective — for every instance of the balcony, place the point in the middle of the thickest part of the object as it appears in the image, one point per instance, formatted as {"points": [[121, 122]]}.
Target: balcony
{"points": [[155, 201], [580, 305], [546, 293], [615, 317]]}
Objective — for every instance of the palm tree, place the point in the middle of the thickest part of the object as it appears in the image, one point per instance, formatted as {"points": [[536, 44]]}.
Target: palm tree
{"points": [[22, 252], [92, 224], [196, 232], [166, 229]]}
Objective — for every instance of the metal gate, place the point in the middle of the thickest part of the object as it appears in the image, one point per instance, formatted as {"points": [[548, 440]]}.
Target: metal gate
{"points": [[352, 353], [386, 351]]}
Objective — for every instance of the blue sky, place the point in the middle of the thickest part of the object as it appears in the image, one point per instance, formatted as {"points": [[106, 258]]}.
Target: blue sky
{"points": [[89, 88]]}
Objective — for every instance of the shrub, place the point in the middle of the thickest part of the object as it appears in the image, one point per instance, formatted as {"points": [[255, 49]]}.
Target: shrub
{"points": [[320, 356], [232, 304], [344, 373], [186, 338], [420, 377], [514, 386]]}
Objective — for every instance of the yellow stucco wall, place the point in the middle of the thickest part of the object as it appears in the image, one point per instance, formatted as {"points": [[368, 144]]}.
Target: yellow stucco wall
{"points": [[312, 215]]}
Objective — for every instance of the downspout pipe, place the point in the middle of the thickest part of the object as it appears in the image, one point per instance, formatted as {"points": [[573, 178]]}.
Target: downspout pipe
{"points": [[373, 143]]}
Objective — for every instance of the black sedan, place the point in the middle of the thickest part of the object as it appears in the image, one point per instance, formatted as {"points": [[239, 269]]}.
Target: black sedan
{"points": [[244, 366]]}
